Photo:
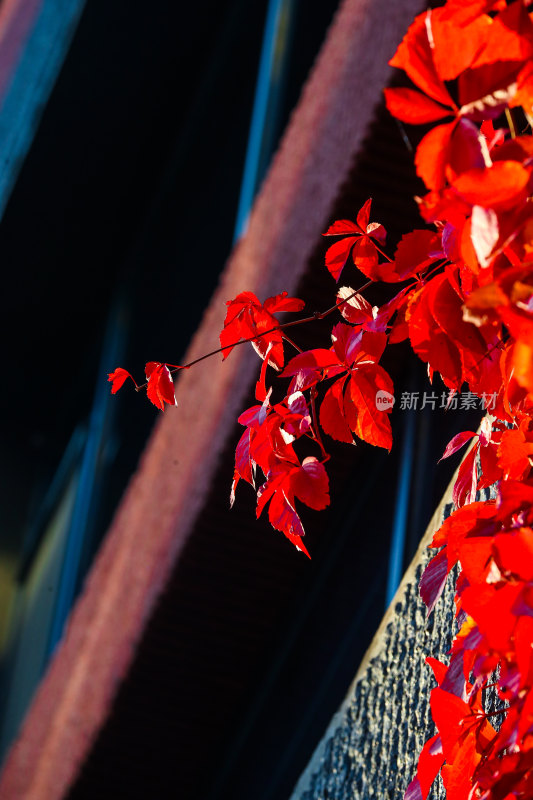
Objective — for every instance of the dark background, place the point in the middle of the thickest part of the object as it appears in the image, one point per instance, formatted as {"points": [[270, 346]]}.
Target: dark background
{"points": [[123, 215], [129, 192]]}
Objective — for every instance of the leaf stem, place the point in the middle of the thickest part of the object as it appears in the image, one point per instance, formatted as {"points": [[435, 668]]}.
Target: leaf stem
{"points": [[316, 429], [432, 268], [290, 341], [389, 259], [510, 122]]}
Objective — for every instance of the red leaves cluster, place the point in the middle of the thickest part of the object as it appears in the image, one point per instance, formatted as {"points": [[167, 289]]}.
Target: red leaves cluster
{"points": [[267, 443], [349, 405], [490, 58], [466, 305], [247, 318], [493, 542], [472, 322], [358, 402]]}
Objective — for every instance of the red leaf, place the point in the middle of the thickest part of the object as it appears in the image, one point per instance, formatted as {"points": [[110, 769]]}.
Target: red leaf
{"points": [[457, 776], [310, 484], [305, 378], [509, 37], [454, 680], [373, 344], [456, 443], [260, 386], [298, 542], [465, 487], [456, 47], [494, 137], [243, 464], [416, 251], [365, 415], [524, 91], [490, 469], [346, 343], [413, 791], [365, 256], [271, 343], [447, 151], [514, 496], [485, 92], [283, 517], [449, 712], [383, 315], [151, 366], [253, 417], [514, 453], [354, 347], [332, 417], [342, 227], [363, 215], [463, 522], [246, 318], [514, 553], [462, 13], [430, 761], [364, 251], [499, 187], [413, 107], [432, 156], [282, 302], [312, 359], [446, 307], [430, 342], [239, 321], [386, 272], [492, 609], [337, 255], [466, 150], [356, 310], [118, 377], [415, 56], [439, 669], [160, 389], [518, 149], [373, 229], [524, 652], [433, 580], [485, 233], [475, 554], [287, 480], [376, 231]]}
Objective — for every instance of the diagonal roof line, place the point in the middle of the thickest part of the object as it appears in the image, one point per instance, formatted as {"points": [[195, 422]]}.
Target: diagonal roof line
{"points": [[158, 512], [34, 39]]}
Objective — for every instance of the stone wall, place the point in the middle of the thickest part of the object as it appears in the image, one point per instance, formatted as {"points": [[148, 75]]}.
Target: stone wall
{"points": [[371, 747]]}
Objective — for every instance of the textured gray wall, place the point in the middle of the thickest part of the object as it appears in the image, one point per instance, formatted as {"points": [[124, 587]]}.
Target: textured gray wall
{"points": [[372, 744]]}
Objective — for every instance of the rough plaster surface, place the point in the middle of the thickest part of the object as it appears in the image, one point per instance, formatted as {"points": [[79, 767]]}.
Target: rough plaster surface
{"points": [[372, 744]]}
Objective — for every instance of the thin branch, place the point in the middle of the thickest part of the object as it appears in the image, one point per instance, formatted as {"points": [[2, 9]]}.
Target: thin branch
{"points": [[317, 315], [290, 341]]}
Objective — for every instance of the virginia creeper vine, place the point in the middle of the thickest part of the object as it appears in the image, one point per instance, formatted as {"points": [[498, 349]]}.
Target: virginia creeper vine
{"points": [[466, 305]]}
